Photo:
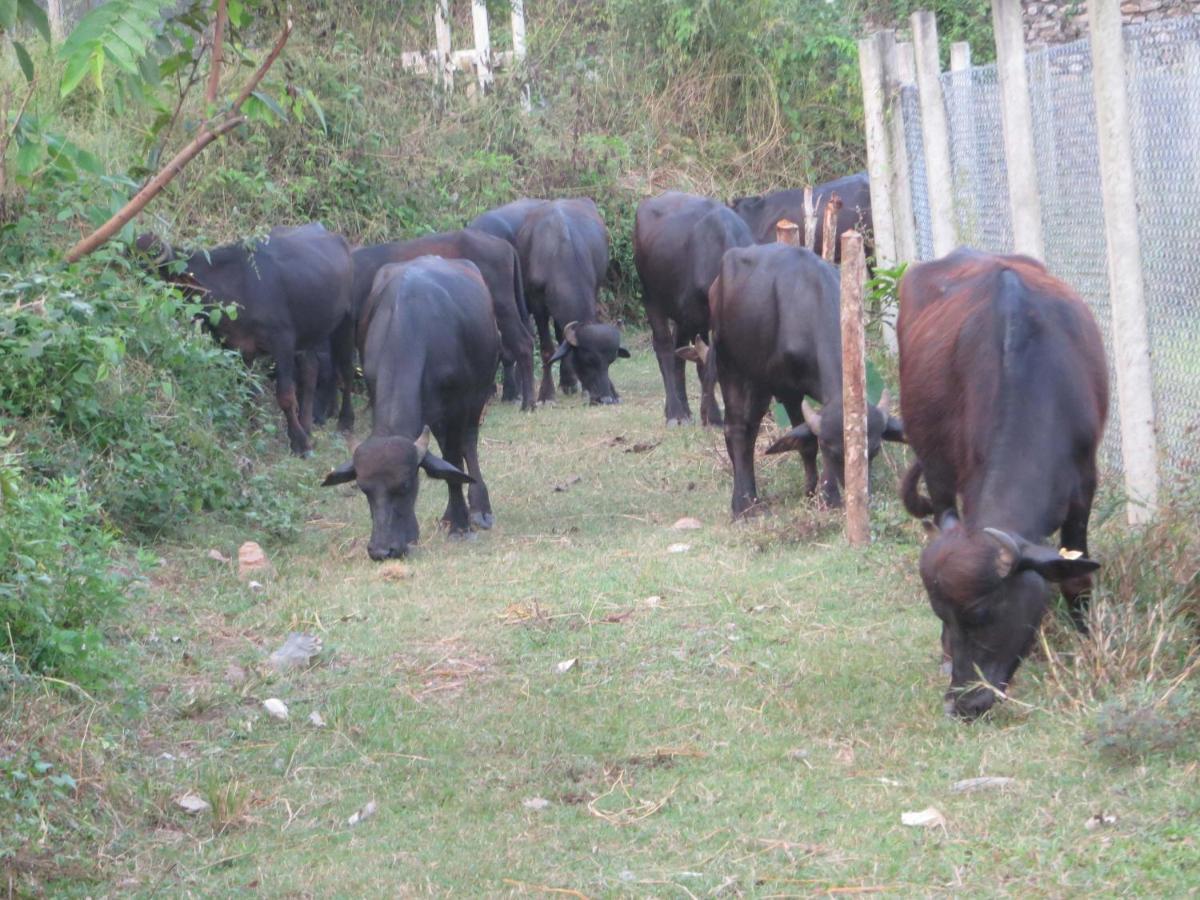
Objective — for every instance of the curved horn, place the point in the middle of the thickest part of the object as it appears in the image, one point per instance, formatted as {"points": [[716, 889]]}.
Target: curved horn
{"points": [[422, 443], [569, 334], [701, 349], [812, 418], [885, 403]]}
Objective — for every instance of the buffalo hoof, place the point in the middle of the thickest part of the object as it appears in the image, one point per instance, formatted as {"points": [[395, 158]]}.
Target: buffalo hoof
{"points": [[483, 521], [681, 420], [568, 388], [462, 536]]}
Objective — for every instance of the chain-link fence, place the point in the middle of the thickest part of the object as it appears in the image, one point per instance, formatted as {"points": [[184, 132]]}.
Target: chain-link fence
{"points": [[1164, 92]]}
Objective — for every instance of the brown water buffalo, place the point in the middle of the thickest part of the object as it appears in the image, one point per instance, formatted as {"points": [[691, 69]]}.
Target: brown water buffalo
{"points": [[429, 349], [762, 212], [777, 332], [1005, 395], [497, 262], [678, 242], [564, 253], [292, 293]]}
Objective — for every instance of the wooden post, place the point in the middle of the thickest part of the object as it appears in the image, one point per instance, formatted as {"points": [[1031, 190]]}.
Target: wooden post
{"points": [[1131, 343], [787, 232], [833, 206], [935, 134], [483, 44], [962, 101], [854, 390], [810, 219], [441, 28], [1024, 201]]}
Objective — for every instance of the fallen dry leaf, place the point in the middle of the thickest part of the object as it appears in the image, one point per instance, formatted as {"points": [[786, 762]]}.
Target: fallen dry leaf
{"points": [[1099, 820], [315, 718], [845, 755], [983, 783], [275, 708], [192, 803], [255, 585], [566, 666], [363, 814], [296, 652], [929, 817], [679, 548], [687, 523], [394, 571], [250, 558], [574, 479], [218, 556], [653, 601], [535, 803]]}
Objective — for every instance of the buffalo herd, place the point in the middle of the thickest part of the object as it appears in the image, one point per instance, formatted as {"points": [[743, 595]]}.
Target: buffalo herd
{"points": [[1003, 380]]}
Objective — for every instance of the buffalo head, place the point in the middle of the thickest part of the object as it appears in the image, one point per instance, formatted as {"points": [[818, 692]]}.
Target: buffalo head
{"points": [[989, 588], [386, 471], [592, 348], [826, 426]]}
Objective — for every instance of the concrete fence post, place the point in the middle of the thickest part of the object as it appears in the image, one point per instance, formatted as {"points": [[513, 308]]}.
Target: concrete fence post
{"points": [[962, 101], [1024, 201], [441, 28], [1131, 342], [483, 44], [879, 162], [935, 133], [906, 63], [903, 219], [854, 390]]}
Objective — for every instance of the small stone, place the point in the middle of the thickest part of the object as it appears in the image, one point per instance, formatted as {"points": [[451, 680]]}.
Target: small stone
{"points": [[275, 708], [251, 558]]}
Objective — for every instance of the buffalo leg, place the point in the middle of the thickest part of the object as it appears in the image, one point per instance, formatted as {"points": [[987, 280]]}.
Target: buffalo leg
{"points": [[942, 484], [326, 387], [568, 382], [1077, 591], [307, 372], [670, 366], [710, 410], [546, 393], [744, 411], [342, 350], [509, 392], [455, 517], [477, 493], [285, 395], [808, 449]]}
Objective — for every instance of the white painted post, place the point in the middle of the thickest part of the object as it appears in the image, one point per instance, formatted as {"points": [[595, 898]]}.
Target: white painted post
{"points": [[483, 44], [962, 98], [518, 29], [903, 220], [1023, 198], [935, 133], [1131, 342], [879, 163], [906, 62], [810, 218], [441, 28]]}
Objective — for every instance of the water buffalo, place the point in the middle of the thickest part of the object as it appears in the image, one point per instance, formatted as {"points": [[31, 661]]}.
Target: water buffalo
{"points": [[762, 212], [564, 251], [1005, 394], [498, 264], [678, 242], [430, 347], [292, 293], [505, 221], [776, 331]]}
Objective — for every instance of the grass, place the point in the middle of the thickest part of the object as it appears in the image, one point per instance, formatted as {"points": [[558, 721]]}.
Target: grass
{"points": [[748, 717]]}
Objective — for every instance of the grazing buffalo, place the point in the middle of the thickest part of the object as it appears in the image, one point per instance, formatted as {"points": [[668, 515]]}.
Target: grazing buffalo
{"points": [[1005, 394], [678, 242], [762, 212], [776, 331], [429, 346], [564, 254], [505, 221], [292, 293], [498, 264]]}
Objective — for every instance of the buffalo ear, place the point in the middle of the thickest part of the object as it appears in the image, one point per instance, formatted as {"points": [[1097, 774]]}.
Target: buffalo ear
{"points": [[563, 349], [792, 440], [340, 475], [1018, 554], [623, 353], [893, 430], [436, 467]]}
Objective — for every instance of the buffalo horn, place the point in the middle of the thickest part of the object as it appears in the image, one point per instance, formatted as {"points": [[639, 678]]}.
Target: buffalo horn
{"points": [[812, 418], [569, 334], [885, 403], [422, 443]]}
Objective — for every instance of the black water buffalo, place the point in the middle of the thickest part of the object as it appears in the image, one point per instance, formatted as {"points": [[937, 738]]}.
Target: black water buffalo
{"points": [[777, 332], [762, 212], [1005, 394], [292, 292], [497, 262], [505, 221], [564, 253], [430, 347], [678, 242]]}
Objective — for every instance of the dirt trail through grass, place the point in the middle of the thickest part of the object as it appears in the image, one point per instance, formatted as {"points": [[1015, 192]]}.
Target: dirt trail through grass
{"points": [[745, 710]]}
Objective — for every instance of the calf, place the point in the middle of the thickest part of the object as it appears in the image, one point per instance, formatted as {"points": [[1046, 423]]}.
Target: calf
{"points": [[501, 272], [292, 293], [776, 332], [430, 347], [563, 246], [1005, 395], [763, 211], [678, 242]]}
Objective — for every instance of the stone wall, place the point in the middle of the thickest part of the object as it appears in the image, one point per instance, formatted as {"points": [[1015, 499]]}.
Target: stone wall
{"points": [[1066, 20]]}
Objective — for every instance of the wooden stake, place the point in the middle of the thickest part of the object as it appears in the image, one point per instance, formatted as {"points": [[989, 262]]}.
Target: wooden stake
{"points": [[854, 390], [833, 206], [787, 232], [810, 219], [214, 63]]}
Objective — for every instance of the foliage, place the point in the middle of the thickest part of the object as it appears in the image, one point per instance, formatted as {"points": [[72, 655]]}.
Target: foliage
{"points": [[1131, 727], [28, 783], [57, 581]]}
